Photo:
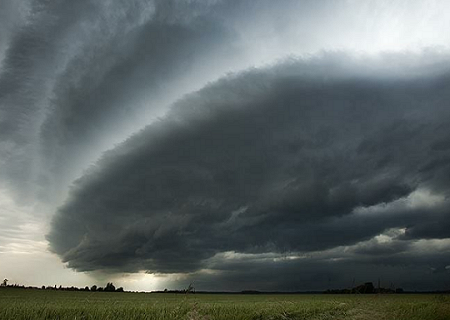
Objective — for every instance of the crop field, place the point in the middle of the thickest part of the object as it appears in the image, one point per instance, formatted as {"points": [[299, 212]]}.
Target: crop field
{"points": [[47, 304]]}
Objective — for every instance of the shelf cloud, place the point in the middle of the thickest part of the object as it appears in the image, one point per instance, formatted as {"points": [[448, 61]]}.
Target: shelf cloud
{"points": [[294, 158]]}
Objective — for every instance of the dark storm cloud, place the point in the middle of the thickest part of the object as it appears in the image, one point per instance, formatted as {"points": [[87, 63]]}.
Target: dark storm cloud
{"points": [[79, 76], [36, 51], [436, 228], [11, 17], [321, 273], [301, 157], [139, 70]]}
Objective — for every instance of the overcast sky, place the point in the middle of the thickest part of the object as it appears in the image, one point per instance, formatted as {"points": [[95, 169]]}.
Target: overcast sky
{"points": [[267, 145]]}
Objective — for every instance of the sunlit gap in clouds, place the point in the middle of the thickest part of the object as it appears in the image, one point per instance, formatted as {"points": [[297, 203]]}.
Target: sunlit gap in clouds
{"points": [[368, 27]]}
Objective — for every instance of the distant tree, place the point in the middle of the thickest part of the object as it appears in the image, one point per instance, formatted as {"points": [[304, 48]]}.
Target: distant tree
{"points": [[43, 287], [369, 287], [190, 288], [110, 287], [5, 282], [94, 288], [100, 289], [86, 288], [120, 289]]}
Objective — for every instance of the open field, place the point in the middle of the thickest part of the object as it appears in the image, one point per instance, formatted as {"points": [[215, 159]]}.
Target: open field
{"points": [[47, 304]]}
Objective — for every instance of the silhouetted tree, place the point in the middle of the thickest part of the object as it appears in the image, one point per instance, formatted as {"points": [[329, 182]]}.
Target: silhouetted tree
{"points": [[120, 289], [110, 287], [94, 288], [100, 289], [190, 288], [5, 282]]}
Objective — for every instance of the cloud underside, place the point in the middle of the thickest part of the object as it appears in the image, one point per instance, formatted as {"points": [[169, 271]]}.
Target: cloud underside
{"points": [[301, 158]]}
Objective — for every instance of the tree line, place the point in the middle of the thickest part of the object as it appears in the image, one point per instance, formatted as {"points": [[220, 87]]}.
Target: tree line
{"points": [[110, 287]]}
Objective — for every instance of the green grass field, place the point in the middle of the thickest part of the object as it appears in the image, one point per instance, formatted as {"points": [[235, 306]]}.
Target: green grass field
{"points": [[47, 304]]}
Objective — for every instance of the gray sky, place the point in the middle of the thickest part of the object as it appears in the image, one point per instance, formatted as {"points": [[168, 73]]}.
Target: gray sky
{"points": [[288, 145]]}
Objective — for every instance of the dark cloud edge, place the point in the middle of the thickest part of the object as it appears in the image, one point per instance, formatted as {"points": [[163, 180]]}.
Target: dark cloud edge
{"points": [[204, 110]]}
